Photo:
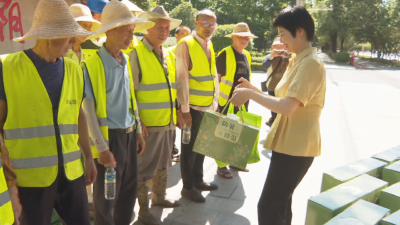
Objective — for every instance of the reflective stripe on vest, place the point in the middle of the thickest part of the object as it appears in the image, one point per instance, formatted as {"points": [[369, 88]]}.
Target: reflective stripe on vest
{"points": [[6, 211], [29, 130], [97, 76], [227, 81], [38, 132], [156, 94], [201, 80]]}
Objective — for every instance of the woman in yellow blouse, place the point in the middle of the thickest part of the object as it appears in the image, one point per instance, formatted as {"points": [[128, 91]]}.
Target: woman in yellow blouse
{"points": [[83, 17], [295, 135]]}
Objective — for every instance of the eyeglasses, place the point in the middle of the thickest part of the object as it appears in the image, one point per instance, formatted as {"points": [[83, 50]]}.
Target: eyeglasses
{"points": [[207, 24]]}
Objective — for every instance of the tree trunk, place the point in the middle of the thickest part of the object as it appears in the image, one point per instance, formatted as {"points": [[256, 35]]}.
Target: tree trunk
{"points": [[342, 43], [334, 42]]}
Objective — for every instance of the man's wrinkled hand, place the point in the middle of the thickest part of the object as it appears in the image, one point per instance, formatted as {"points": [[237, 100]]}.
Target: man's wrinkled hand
{"points": [[16, 204], [91, 172], [187, 119], [141, 144], [180, 121], [106, 158]]}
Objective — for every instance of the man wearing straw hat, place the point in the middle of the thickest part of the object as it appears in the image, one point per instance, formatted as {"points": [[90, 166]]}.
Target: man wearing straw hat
{"points": [[84, 18], [233, 65], [198, 91], [153, 69], [110, 106], [136, 11], [96, 7], [43, 122]]}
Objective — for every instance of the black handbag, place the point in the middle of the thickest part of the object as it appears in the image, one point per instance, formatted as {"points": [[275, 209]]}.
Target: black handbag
{"points": [[264, 83]]}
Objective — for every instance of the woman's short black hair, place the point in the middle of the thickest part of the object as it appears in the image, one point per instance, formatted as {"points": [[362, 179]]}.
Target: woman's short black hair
{"points": [[294, 18]]}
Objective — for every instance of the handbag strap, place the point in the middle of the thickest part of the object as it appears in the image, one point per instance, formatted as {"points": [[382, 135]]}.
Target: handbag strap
{"points": [[276, 68]]}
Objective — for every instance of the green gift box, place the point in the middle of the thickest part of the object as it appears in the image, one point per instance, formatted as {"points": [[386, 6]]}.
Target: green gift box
{"points": [[390, 156], [225, 138], [325, 206], [390, 197], [362, 212], [391, 173], [393, 219], [350, 171]]}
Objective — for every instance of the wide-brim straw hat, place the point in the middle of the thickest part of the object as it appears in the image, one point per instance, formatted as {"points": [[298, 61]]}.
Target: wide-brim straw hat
{"points": [[53, 20], [82, 13], [117, 14], [160, 13], [242, 29], [131, 6]]}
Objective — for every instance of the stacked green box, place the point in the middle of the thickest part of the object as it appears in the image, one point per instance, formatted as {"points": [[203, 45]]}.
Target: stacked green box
{"points": [[390, 156], [390, 197], [362, 212], [345, 173], [391, 173], [393, 219], [327, 205]]}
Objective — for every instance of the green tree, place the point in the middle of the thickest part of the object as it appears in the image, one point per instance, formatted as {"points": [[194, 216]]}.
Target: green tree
{"points": [[169, 5], [186, 13], [144, 4]]}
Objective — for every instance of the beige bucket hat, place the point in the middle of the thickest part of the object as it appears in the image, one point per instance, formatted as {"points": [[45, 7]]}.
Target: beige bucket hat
{"points": [[53, 20], [242, 29], [131, 6], [116, 14], [160, 13], [82, 13]]}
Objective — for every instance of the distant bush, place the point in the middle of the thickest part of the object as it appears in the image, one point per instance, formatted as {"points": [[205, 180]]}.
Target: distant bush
{"points": [[257, 67], [257, 59], [343, 57]]}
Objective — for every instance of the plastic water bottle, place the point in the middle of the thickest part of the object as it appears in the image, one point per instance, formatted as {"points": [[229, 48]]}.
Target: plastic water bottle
{"points": [[110, 183], [186, 134]]}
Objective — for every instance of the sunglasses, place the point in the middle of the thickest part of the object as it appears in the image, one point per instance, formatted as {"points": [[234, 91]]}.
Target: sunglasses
{"points": [[207, 24]]}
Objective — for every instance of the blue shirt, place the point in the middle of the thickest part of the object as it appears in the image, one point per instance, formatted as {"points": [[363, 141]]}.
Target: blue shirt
{"points": [[118, 90]]}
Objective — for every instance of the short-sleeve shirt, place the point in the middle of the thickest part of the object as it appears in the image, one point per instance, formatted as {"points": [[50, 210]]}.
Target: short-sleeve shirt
{"points": [[242, 67], [298, 134], [119, 115]]}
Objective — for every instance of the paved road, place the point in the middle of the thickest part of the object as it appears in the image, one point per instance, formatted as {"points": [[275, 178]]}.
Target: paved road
{"points": [[361, 117]]}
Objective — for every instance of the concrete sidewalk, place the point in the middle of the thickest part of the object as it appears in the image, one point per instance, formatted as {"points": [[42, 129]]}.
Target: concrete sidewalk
{"points": [[361, 117]]}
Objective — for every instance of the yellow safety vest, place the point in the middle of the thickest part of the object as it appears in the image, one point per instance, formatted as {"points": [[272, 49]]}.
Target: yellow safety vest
{"points": [[156, 95], [97, 76], [29, 130], [6, 211], [202, 75], [72, 55], [134, 43], [89, 52], [227, 81]]}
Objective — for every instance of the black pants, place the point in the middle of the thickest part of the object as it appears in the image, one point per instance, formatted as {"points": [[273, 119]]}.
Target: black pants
{"points": [[273, 114], [284, 174], [67, 197], [120, 210], [192, 162]]}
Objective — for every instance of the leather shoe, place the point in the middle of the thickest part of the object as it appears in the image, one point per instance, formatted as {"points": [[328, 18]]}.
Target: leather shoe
{"points": [[193, 194], [206, 186]]}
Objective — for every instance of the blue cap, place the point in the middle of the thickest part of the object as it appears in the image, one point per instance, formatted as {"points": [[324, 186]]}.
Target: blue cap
{"points": [[97, 6]]}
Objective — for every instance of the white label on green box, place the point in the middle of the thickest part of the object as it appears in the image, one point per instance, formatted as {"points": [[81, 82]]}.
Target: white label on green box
{"points": [[228, 130]]}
